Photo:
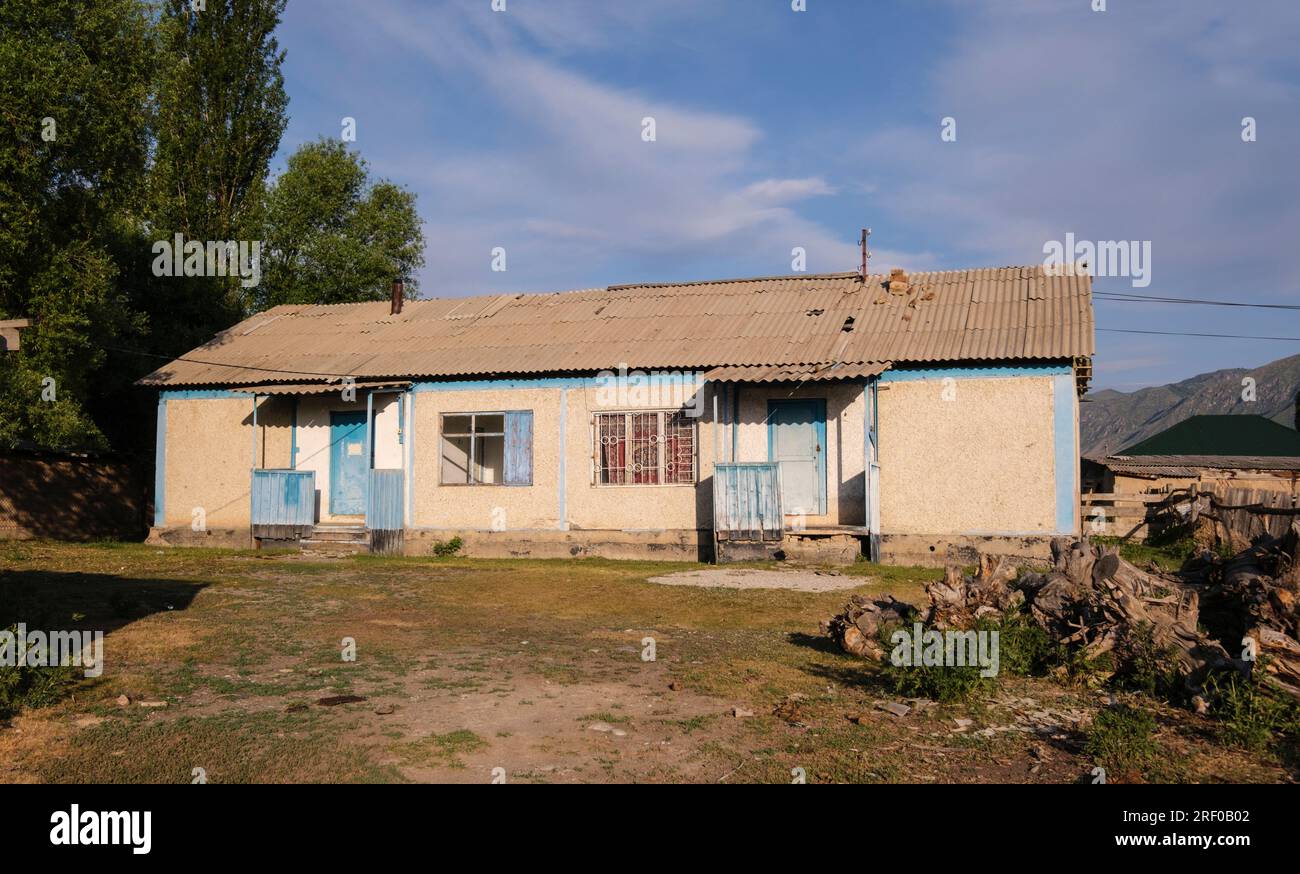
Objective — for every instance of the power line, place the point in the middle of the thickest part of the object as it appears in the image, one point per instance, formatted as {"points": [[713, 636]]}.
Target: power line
{"points": [[223, 364], [1129, 297], [1195, 334]]}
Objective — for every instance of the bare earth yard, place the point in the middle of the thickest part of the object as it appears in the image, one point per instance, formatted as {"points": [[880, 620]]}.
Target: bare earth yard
{"points": [[534, 668]]}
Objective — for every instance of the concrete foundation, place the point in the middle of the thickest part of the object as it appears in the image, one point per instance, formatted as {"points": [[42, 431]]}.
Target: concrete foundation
{"points": [[216, 538], [940, 550], [667, 545]]}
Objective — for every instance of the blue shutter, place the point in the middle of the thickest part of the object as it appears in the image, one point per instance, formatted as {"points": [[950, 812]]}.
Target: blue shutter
{"points": [[519, 448]]}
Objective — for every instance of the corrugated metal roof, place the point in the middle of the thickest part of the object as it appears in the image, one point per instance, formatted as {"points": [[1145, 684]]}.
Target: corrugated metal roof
{"points": [[796, 372], [987, 314], [1190, 465], [319, 388]]}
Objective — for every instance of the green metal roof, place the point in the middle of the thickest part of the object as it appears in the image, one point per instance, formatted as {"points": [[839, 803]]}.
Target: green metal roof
{"points": [[1221, 435]]}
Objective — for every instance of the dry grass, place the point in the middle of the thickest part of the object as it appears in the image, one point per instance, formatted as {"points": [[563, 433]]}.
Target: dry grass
{"points": [[471, 665]]}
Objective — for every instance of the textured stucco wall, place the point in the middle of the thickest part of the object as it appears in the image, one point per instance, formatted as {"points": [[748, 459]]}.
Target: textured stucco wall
{"points": [[210, 444], [968, 456], [209, 456]]}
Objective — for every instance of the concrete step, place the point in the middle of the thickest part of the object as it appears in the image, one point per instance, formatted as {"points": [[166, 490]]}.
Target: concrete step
{"points": [[316, 546], [340, 533]]}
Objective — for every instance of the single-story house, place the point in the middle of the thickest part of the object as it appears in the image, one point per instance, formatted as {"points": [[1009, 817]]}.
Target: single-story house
{"points": [[907, 418], [1242, 459], [1227, 451]]}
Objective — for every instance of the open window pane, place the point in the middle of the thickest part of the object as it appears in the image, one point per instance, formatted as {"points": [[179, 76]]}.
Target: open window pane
{"points": [[489, 452], [490, 424], [455, 460], [457, 424]]}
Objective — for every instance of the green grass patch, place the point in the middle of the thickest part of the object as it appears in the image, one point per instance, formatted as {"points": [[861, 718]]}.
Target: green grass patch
{"points": [[1121, 740]]}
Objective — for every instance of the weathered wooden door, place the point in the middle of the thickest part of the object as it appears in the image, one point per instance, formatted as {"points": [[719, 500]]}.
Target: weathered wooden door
{"points": [[796, 439], [348, 467]]}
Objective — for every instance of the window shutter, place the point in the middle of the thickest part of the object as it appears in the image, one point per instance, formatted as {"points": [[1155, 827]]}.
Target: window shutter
{"points": [[519, 448]]}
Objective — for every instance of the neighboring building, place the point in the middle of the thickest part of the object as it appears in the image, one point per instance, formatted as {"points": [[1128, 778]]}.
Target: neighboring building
{"points": [[917, 417], [1215, 453]]}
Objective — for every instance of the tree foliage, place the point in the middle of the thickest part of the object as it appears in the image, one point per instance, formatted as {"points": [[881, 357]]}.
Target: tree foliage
{"points": [[75, 80], [222, 109], [125, 123], [334, 236]]}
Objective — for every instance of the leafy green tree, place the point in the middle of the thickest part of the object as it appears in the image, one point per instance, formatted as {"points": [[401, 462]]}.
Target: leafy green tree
{"points": [[334, 236], [75, 78], [221, 113]]}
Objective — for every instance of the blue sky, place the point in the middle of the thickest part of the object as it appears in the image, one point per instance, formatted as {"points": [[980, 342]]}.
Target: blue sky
{"points": [[776, 129]]}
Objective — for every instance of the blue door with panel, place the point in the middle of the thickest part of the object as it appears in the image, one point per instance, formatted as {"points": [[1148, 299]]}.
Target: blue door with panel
{"points": [[348, 467], [796, 439]]}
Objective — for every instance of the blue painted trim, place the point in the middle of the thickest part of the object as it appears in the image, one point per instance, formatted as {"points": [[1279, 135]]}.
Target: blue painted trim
{"points": [[1067, 460], [370, 443], [410, 467], [866, 456], [252, 496], [254, 459], [204, 394], [160, 464], [922, 373], [563, 487], [734, 388], [655, 379]]}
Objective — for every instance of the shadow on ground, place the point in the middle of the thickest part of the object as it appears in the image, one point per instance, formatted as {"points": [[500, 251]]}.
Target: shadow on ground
{"points": [[62, 601]]}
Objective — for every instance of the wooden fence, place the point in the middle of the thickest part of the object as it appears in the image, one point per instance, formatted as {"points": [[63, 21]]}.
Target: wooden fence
{"points": [[1246, 513], [72, 496]]}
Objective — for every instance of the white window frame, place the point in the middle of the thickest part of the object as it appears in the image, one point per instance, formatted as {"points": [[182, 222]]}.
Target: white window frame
{"points": [[473, 439]]}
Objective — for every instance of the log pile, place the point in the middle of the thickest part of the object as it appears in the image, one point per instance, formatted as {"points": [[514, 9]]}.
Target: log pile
{"points": [[1094, 602], [857, 629], [1255, 598], [957, 600]]}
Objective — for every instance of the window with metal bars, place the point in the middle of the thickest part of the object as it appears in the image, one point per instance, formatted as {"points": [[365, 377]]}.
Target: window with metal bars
{"points": [[645, 448]]}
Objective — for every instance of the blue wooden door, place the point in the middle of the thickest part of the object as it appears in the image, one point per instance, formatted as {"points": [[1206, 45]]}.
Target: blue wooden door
{"points": [[348, 468], [796, 439]]}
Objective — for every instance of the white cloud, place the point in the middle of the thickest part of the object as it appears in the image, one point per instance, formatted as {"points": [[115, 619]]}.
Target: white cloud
{"points": [[578, 190]]}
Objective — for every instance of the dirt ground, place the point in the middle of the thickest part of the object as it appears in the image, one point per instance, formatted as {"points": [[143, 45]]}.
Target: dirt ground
{"points": [[794, 579], [516, 671]]}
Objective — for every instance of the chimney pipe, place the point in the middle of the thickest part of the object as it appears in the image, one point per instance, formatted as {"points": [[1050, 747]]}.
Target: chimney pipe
{"points": [[397, 298], [866, 253]]}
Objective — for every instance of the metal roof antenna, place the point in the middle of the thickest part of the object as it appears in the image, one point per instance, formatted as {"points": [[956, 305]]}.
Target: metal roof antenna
{"points": [[866, 253]]}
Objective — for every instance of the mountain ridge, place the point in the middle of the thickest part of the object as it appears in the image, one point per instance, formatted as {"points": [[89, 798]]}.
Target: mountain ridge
{"points": [[1111, 420]]}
